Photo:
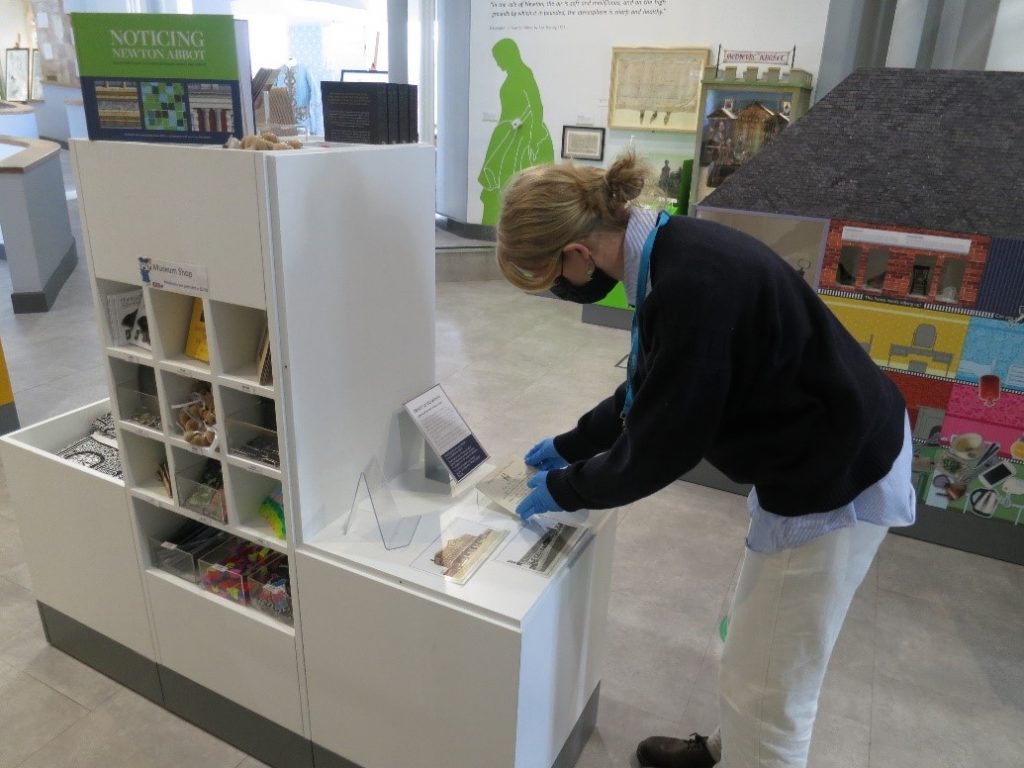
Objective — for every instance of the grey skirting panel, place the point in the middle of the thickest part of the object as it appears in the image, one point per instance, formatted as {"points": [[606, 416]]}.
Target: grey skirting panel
{"points": [[567, 757], [998, 539], [610, 317], [41, 301], [464, 229], [256, 735], [262, 738], [114, 660], [9, 418]]}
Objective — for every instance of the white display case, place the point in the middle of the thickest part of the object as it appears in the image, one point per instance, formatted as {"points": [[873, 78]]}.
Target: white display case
{"points": [[330, 251]]}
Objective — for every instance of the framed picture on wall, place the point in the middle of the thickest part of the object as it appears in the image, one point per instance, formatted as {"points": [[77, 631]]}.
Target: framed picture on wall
{"points": [[581, 142], [35, 86], [656, 89], [17, 66]]}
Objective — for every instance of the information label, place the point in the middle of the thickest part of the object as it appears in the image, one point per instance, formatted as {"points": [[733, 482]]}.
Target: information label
{"points": [[446, 432], [174, 276]]}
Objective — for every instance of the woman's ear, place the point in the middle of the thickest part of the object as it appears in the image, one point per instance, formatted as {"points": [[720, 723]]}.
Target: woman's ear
{"points": [[576, 250]]}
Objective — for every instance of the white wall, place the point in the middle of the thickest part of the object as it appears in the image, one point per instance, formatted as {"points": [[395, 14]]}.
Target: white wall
{"points": [[14, 21], [1007, 50], [570, 56]]}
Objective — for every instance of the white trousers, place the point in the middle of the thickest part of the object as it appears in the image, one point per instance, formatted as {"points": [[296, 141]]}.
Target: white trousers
{"points": [[785, 618]]}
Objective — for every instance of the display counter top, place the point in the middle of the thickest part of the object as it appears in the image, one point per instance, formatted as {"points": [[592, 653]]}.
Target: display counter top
{"points": [[499, 591], [15, 108], [18, 155]]}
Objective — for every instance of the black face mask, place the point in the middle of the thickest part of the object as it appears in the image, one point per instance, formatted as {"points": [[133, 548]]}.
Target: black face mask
{"points": [[596, 288]]}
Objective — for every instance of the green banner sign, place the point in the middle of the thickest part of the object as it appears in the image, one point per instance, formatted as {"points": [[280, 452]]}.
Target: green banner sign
{"points": [[158, 45]]}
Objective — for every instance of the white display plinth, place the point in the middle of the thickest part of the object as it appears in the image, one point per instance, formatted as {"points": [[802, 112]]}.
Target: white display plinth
{"points": [[406, 668], [76, 529]]}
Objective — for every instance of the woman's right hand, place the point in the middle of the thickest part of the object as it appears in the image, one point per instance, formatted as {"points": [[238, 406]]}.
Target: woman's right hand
{"points": [[544, 456]]}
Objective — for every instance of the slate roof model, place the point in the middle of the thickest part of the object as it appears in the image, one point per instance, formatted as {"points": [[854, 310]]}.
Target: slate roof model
{"points": [[932, 149]]}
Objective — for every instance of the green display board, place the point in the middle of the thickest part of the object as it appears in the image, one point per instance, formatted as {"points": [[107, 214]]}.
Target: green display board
{"points": [[155, 45]]}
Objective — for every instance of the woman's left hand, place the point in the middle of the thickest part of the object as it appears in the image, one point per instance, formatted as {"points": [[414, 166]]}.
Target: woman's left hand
{"points": [[540, 499]]}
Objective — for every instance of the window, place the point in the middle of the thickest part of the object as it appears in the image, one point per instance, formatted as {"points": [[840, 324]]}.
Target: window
{"points": [[878, 264], [921, 275], [951, 280], [846, 272]]}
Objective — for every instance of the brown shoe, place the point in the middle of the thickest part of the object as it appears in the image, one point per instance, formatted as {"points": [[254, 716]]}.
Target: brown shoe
{"points": [[667, 752]]}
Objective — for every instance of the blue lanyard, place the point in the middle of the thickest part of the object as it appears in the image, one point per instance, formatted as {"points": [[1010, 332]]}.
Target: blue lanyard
{"points": [[641, 292]]}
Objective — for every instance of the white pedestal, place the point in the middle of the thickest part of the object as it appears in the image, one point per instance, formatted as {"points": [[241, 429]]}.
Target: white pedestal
{"points": [[39, 245], [405, 668], [20, 122]]}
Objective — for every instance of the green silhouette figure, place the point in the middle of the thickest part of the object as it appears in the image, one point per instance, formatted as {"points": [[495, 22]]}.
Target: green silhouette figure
{"points": [[520, 138]]}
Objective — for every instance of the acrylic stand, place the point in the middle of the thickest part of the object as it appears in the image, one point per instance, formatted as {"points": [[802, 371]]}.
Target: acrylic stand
{"points": [[372, 491]]}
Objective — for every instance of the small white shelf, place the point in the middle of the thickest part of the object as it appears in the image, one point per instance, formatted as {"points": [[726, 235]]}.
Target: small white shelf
{"points": [[131, 354], [262, 535], [255, 466], [183, 365], [198, 450], [247, 382], [141, 431], [154, 494]]}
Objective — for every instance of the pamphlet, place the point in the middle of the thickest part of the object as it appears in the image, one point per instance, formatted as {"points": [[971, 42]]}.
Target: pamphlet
{"points": [[460, 550], [264, 370], [541, 546], [140, 328], [122, 310], [446, 432], [506, 486], [195, 344]]}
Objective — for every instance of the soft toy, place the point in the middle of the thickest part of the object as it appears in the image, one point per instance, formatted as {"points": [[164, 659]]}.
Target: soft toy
{"points": [[265, 141]]}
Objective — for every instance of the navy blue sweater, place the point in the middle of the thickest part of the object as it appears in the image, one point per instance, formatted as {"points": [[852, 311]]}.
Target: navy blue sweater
{"points": [[740, 363]]}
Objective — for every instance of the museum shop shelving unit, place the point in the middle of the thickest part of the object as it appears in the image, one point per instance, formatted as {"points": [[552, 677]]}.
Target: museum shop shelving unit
{"points": [[331, 249]]}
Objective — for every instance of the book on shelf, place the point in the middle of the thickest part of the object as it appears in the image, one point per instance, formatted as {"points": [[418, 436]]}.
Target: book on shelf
{"points": [[370, 113], [406, 121], [264, 371], [122, 310], [412, 112], [355, 113], [159, 77], [195, 344], [395, 119], [140, 328]]}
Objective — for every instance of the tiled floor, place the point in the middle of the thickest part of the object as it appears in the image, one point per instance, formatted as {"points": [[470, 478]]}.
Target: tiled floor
{"points": [[928, 673]]}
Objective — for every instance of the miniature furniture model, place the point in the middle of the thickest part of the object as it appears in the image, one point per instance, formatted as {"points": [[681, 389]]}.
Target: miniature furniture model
{"points": [[923, 344], [377, 664], [34, 220], [741, 112]]}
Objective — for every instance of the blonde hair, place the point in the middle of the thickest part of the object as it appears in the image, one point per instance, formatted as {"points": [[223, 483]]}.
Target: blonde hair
{"points": [[546, 207]]}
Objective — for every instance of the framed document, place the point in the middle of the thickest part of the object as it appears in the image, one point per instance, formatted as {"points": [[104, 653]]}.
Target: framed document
{"points": [[18, 73], [580, 142], [656, 89], [35, 87]]}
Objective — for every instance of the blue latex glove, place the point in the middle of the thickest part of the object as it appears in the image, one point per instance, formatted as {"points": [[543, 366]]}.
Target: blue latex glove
{"points": [[544, 456], [540, 500]]}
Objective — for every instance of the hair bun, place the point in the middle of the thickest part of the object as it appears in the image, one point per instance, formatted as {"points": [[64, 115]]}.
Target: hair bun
{"points": [[625, 178]]}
